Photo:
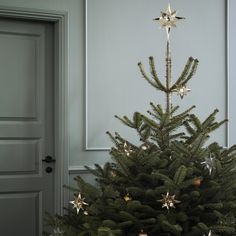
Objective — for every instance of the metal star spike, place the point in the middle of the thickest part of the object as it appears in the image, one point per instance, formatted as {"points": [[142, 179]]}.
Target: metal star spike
{"points": [[79, 203], [209, 163], [168, 201], [168, 19], [182, 91]]}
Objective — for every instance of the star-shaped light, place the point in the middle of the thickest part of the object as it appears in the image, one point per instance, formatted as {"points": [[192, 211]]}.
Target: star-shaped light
{"points": [[168, 19], [127, 149], [209, 163], [79, 203], [182, 91], [168, 201]]}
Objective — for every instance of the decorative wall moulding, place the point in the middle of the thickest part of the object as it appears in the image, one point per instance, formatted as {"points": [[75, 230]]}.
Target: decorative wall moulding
{"points": [[92, 129]]}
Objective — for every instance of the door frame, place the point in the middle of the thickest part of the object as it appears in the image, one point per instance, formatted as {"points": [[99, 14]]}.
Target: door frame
{"points": [[60, 21]]}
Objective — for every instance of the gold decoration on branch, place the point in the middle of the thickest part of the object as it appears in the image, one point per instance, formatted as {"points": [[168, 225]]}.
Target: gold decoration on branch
{"points": [[113, 174], [197, 182], [182, 91], [127, 149], [168, 201], [127, 197], [79, 204]]}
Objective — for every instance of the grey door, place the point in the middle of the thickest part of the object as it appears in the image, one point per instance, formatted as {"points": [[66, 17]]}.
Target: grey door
{"points": [[26, 126]]}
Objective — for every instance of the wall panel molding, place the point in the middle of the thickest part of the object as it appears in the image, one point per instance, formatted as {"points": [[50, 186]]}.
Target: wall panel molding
{"points": [[231, 35], [79, 169], [225, 108], [87, 146]]}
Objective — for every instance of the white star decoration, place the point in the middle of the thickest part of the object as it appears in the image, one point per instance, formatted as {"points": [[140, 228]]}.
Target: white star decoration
{"points": [[209, 163], [168, 19], [79, 203], [182, 91], [127, 149], [168, 201]]}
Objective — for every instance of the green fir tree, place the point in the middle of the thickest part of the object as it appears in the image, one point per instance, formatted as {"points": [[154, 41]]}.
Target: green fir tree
{"points": [[174, 183]]}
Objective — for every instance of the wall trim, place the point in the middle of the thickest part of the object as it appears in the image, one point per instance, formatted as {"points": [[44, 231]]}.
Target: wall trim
{"points": [[30, 13], [227, 74], [232, 71], [80, 169], [87, 148], [60, 20]]}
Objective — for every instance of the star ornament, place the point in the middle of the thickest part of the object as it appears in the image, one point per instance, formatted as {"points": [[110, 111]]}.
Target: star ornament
{"points": [[168, 201], [209, 163], [127, 149], [182, 91], [127, 197], [168, 19], [79, 204]]}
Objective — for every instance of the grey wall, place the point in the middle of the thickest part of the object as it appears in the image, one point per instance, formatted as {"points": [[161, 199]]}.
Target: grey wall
{"points": [[121, 33]]}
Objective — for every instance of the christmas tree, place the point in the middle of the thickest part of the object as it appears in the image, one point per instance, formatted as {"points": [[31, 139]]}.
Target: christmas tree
{"points": [[174, 183]]}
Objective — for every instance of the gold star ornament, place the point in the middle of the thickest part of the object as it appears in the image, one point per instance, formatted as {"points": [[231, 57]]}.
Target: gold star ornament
{"points": [[182, 91], [168, 201], [79, 204], [127, 149], [127, 197], [168, 19], [113, 174]]}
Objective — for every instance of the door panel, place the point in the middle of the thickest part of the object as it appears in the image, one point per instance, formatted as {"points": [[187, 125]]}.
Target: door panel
{"points": [[25, 207], [26, 126], [19, 66], [22, 154]]}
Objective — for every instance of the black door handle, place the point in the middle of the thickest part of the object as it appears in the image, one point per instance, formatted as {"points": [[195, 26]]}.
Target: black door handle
{"points": [[48, 159]]}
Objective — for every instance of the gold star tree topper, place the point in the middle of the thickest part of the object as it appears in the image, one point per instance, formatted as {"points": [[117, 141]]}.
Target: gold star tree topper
{"points": [[79, 203], [168, 19], [168, 201]]}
